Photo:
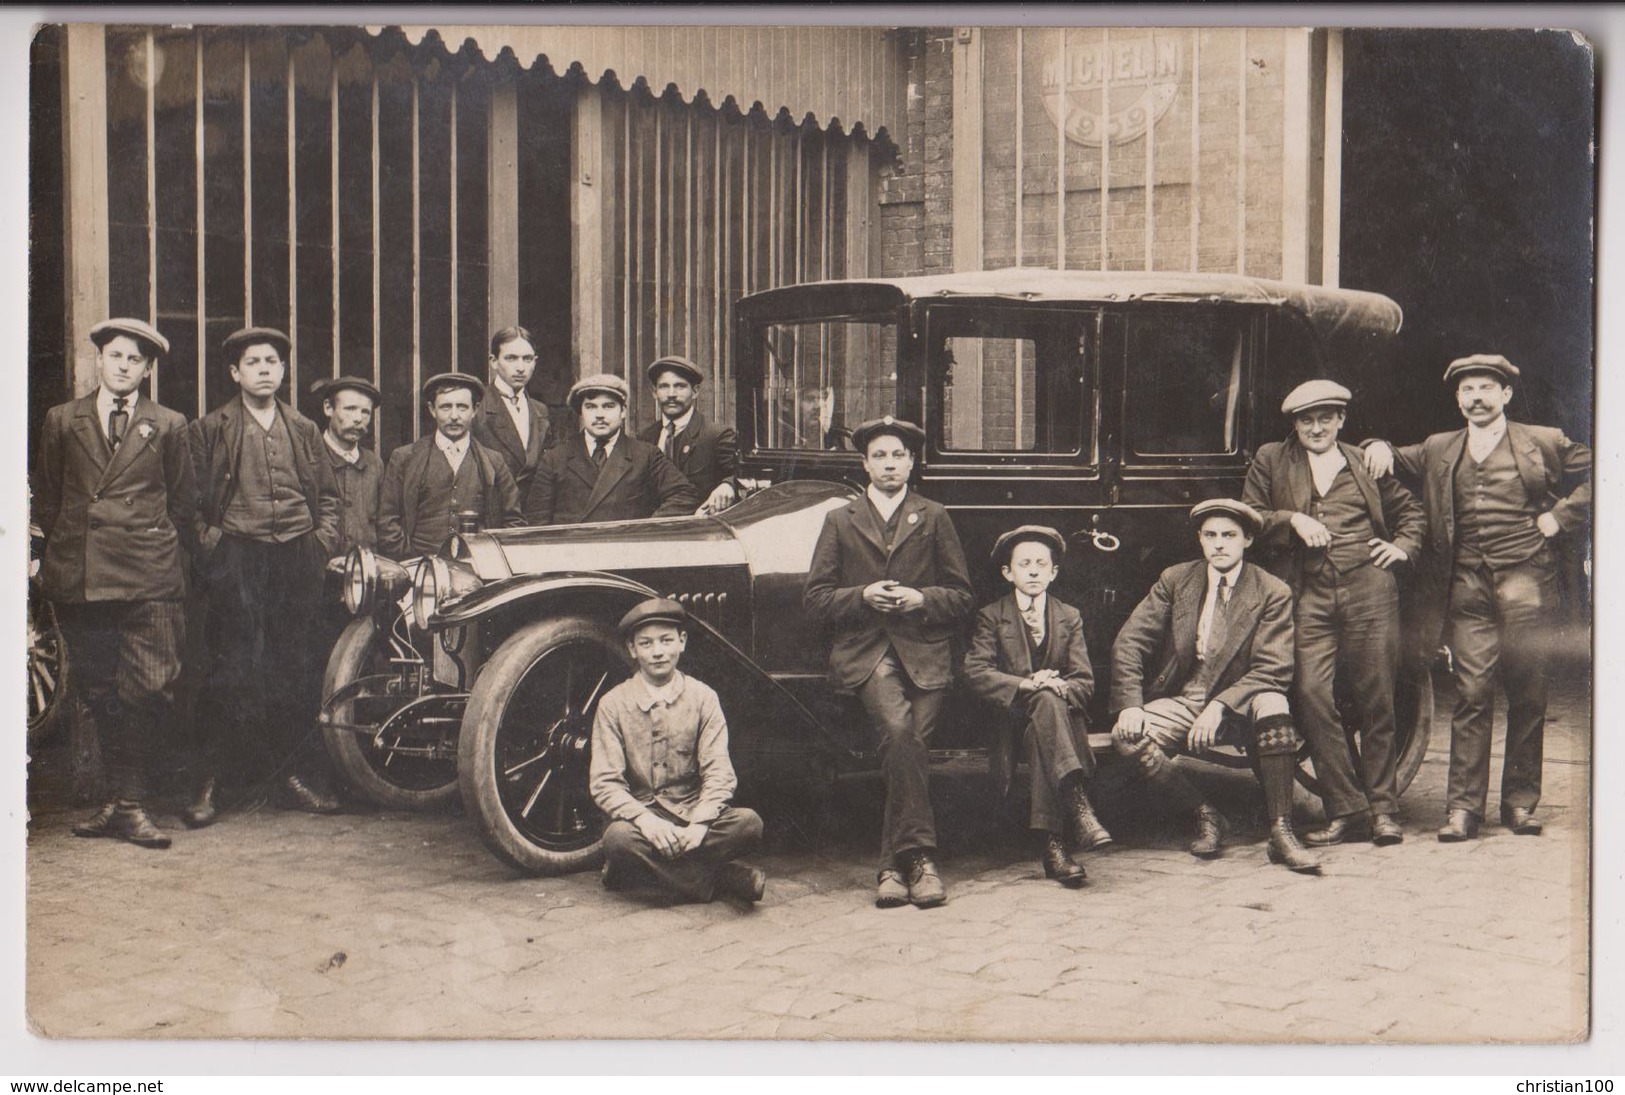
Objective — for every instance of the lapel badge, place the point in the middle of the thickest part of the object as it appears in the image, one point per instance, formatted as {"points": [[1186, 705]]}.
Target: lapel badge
{"points": [[913, 518], [686, 449], [145, 430]]}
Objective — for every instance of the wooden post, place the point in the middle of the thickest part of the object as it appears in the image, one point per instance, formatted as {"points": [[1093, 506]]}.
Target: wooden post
{"points": [[1295, 158], [1331, 210], [967, 222], [503, 207], [590, 238], [84, 177]]}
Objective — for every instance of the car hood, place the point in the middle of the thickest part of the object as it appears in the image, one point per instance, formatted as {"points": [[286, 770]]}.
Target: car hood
{"points": [[772, 531]]}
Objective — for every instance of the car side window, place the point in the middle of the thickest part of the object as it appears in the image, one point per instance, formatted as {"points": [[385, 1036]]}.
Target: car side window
{"points": [[1012, 381], [821, 379], [1183, 384]]}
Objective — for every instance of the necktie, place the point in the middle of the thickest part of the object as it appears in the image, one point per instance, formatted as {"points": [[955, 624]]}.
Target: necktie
{"points": [[669, 445], [1220, 623], [1035, 621], [599, 455], [118, 421]]}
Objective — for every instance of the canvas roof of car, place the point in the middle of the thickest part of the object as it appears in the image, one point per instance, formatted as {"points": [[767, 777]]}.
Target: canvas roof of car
{"points": [[1332, 313]]}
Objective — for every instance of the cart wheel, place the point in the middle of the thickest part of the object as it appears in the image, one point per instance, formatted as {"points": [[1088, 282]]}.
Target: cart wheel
{"points": [[526, 743], [378, 773]]}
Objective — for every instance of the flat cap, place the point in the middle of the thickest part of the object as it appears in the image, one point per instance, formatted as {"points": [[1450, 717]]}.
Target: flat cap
{"points": [[1315, 393], [143, 332], [910, 434], [600, 383], [239, 340], [328, 386], [453, 380], [682, 366], [1481, 363], [1005, 545], [656, 610], [1240, 512]]}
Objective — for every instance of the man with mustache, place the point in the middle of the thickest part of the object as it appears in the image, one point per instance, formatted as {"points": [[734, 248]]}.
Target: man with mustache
{"points": [[348, 403], [1496, 495], [600, 474], [703, 450]]}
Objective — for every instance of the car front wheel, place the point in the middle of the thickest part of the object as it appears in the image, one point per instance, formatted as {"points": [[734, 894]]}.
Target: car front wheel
{"points": [[526, 743]]}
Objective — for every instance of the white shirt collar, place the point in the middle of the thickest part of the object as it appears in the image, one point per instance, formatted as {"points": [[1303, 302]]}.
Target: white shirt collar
{"points": [[503, 390], [104, 404], [667, 694], [1231, 576], [1487, 435], [886, 506], [1324, 466], [681, 423], [349, 456], [265, 418], [609, 444], [450, 447], [1024, 602]]}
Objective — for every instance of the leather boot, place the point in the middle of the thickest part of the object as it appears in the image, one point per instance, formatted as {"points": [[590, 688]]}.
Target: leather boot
{"points": [[1285, 849], [201, 810], [1521, 820], [891, 892], [738, 880], [130, 822], [1385, 830], [97, 825], [1087, 830], [1334, 831], [1460, 825], [1059, 865], [1210, 830]]}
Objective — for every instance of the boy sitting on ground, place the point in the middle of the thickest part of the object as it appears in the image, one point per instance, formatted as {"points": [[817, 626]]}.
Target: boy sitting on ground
{"points": [[660, 770]]}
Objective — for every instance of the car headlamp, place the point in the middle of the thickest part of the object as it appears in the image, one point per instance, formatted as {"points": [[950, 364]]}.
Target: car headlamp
{"points": [[431, 578], [360, 581]]}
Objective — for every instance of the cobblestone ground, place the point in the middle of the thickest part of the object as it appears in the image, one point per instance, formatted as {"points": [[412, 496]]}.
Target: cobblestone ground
{"points": [[385, 925]]}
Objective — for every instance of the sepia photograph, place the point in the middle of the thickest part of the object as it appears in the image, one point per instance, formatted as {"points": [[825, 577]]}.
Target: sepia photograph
{"points": [[991, 532]]}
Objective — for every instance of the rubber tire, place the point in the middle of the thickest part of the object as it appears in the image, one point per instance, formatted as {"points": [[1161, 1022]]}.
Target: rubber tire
{"points": [[1420, 715], [476, 747], [349, 754]]}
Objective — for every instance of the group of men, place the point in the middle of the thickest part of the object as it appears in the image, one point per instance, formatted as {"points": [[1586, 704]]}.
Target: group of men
{"points": [[230, 522], [193, 557]]}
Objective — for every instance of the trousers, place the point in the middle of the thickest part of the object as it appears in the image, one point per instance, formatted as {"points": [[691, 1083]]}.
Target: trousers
{"points": [[1349, 621], [1057, 747], [1501, 625], [258, 689], [903, 716], [126, 659], [693, 875]]}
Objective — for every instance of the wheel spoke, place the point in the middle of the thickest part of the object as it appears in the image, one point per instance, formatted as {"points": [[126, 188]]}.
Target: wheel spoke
{"points": [[530, 803], [522, 765], [593, 696]]}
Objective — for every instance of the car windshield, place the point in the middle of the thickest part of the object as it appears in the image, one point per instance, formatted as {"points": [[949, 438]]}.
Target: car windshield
{"points": [[821, 378]]}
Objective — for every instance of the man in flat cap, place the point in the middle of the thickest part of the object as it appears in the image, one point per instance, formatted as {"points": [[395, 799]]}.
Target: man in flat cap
{"points": [[1206, 658], [1029, 660], [888, 582], [661, 772], [115, 495], [703, 450], [1496, 495], [271, 511], [601, 474], [509, 421], [429, 482], [1336, 537], [348, 404]]}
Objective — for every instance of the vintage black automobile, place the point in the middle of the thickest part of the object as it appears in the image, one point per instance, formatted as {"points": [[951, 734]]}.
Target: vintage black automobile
{"points": [[1104, 404]]}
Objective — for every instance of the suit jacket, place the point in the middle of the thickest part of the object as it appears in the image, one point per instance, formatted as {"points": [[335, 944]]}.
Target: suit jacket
{"points": [[1155, 652], [402, 494], [706, 452], [636, 481], [494, 428], [1280, 484], [115, 523], [1000, 656], [850, 554], [1555, 471], [217, 449]]}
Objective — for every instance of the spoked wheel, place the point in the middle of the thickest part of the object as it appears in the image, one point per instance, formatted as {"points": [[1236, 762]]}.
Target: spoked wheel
{"points": [[412, 764], [527, 741], [47, 668]]}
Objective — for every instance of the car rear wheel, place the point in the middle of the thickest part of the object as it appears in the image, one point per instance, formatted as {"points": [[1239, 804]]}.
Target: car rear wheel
{"points": [[1413, 726], [527, 741], [383, 771]]}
